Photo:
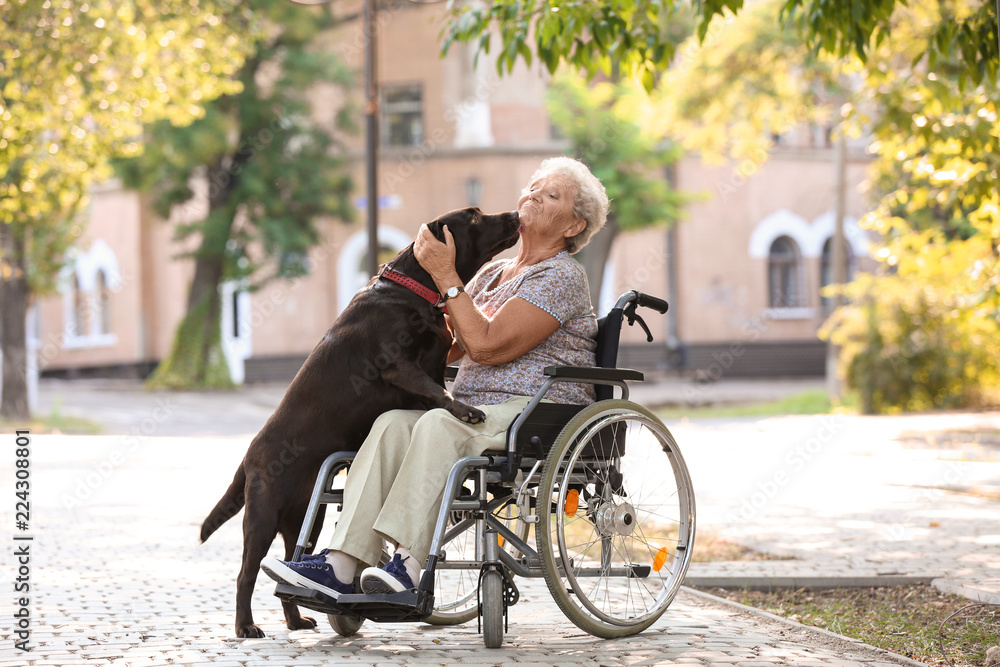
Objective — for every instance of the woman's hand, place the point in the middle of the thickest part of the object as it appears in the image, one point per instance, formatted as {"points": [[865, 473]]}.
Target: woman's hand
{"points": [[437, 259]]}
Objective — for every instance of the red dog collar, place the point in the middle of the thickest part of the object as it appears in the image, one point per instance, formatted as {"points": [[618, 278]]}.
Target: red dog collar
{"points": [[410, 284]]}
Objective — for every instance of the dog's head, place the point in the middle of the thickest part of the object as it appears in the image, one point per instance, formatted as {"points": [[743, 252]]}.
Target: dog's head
{"points": [[479, 237]]}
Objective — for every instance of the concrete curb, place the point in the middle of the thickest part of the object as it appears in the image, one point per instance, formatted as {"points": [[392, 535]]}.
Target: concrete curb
{"points": [[974, 594], [769, 583], [888, 655]]}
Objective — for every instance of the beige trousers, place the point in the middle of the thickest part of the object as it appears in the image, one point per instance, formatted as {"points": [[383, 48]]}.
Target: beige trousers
{"points": [[396, 483]]}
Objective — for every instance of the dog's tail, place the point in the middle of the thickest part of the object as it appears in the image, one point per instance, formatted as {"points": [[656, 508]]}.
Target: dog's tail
{"points": [[227, 507]]}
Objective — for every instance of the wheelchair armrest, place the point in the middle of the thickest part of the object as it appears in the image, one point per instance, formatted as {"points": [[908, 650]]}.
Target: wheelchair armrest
{"points": [[592, 375], [450, 372]]}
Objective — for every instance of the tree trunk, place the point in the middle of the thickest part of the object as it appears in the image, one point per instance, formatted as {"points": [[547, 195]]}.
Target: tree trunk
{"points": [[594, 257], [13, 337], [197, 358]]}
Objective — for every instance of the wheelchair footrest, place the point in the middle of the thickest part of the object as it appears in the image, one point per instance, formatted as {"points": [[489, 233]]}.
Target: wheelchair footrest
{"points": [[310, 599], [411, 605]]}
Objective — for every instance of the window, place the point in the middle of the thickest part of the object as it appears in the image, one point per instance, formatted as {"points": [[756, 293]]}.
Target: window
{"points": [[826, 268], [783, 274], [821, 135], [93, 281], [103, 305], [80, 323], [402, 116]]}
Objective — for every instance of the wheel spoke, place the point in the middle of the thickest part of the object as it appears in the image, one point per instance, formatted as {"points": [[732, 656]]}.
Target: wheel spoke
{"points": [[614, 453]]}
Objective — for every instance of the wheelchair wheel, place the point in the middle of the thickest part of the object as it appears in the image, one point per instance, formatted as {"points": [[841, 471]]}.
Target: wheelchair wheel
{"points": [[616, 534], [345, 626], [455, 590], [492, 596]]}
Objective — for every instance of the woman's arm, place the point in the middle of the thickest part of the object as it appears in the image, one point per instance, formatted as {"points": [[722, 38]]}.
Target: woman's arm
{"points": [[515, 329], [456, 352]]}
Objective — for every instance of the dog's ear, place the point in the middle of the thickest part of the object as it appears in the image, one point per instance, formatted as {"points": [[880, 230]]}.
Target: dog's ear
{"points": [[437, 229]]}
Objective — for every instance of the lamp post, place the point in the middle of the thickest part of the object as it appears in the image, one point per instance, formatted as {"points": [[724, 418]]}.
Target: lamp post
{"points": [[371, 135], [369, 29], [371, 126]]}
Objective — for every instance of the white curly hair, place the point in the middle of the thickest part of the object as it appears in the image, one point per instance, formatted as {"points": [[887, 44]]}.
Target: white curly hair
{"points": [[590, 201]]}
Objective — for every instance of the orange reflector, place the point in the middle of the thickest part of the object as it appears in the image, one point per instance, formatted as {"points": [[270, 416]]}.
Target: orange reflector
{"points": [[660, 559], [500, 540], [572, 502]]}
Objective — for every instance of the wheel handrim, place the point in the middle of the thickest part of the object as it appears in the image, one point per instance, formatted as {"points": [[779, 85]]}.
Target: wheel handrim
{"points": [[619, 531]]}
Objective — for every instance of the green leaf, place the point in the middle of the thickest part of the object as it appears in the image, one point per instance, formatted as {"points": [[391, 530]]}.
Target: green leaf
{"points": [[648, 79]]}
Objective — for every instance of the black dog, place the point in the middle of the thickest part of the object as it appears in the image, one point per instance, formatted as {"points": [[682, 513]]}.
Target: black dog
{"points": [[387, 350]]}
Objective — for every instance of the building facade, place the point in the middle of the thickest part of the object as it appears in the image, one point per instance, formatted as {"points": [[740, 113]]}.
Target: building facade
{"points": [[743, 270]]}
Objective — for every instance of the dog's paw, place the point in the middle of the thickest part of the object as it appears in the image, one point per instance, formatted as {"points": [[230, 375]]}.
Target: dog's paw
{"points": [[249, 631], [468, 414], [301, 623]]}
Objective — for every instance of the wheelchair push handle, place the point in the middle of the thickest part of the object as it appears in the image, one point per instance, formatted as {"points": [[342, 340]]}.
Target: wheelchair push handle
{"points": [[644, 300], [629, 301], [647, 301]]}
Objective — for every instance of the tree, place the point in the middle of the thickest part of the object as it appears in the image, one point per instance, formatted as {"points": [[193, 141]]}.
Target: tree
{"points": [[730, 97], [920, 332], [936, 136], [612, 128], [923, 331], [271, 171], [634, 34], [750, 82], [77, 80]]}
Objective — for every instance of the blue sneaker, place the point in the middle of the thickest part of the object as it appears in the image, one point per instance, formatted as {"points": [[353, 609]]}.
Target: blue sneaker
{"points": [[315, 574], [320, 556], [391, 578]]}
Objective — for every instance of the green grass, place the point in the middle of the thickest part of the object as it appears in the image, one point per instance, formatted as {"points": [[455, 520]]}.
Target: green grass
{"points": [[813, 402], [54, 422], [916, 621]]}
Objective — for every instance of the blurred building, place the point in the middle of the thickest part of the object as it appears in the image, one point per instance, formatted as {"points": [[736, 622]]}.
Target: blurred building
{"points": [[743, 271]]}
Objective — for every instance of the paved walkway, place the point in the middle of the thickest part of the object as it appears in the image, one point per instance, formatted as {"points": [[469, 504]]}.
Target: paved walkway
{"points": [[859, 499], [120, 579]]}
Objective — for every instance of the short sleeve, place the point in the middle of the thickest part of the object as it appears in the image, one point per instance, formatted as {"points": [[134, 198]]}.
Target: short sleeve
{"points": [[559, 288]]}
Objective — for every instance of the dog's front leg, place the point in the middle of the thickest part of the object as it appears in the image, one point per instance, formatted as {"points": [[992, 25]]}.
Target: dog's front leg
{"points": [[411, 378]]}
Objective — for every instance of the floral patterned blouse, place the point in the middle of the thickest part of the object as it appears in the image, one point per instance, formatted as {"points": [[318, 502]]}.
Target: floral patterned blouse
{"points": [[558, 286]]}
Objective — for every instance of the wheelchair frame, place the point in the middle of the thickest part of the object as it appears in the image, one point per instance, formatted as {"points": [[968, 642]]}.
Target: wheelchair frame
{"points": [[568, 474]]}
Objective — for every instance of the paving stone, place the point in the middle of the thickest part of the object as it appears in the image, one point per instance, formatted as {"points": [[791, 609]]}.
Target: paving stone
{"points": [[121, 579]]}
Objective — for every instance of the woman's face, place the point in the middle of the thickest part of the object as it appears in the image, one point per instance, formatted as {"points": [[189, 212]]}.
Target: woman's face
{"points": [[547, 207]]}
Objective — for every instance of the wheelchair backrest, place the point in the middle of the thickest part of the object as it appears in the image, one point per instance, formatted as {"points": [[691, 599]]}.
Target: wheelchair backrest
{"points": [[609, 329], [545, 422]]}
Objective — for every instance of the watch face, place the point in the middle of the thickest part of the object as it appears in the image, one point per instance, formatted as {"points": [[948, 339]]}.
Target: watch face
{"points": [[452, 292]]}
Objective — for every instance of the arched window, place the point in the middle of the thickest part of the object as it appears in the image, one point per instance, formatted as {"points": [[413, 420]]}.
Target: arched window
{"points": [[92, 280], [352, 269], [385, 254], [783, 274], [826, 267]]}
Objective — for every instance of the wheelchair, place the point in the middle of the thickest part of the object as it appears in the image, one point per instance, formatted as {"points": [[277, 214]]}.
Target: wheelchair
{"points": [[604, 486]]}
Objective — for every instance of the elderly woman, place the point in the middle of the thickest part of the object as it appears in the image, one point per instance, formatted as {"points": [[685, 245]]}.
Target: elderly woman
{"points": [[513, 319]]}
